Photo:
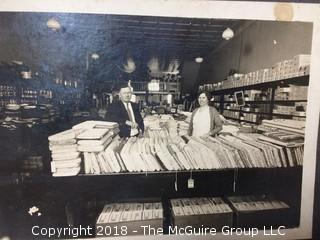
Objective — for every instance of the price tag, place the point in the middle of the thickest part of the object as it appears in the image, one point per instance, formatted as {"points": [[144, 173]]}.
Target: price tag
{"points": [[190, 183]]}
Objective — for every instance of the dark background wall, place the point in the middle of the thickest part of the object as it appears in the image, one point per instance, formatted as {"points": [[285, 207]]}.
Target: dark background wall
{"points": [[189, 75], [260, 45]]}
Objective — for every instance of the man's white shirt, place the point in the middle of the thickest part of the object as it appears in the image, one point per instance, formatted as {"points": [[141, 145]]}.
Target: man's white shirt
{"points": [[134, 131]]}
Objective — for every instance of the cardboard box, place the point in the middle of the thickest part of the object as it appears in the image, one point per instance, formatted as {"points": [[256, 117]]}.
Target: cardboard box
{"points": [[205, 212], [260, 212], [115, 218], [132, 227]]}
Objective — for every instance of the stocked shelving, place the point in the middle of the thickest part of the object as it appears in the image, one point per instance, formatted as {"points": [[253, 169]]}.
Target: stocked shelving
{"points": [[164, 186], [270, 103]]}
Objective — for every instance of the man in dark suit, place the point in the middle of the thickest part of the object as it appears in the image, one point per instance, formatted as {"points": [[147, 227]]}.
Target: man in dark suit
{"points": [[126, 114]]}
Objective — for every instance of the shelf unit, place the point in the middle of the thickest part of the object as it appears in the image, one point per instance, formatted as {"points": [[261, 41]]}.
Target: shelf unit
{"points": [[270, 103]]}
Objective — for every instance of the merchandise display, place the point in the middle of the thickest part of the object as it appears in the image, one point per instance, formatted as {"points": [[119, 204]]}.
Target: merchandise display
{"points": [[65, 156], [162, 148], [8, 95], [201, 212], [285, 124], [260, 211], [28, 115], [285, 99], [255, 203], [131, 216], [126, 212], [292, 92], [198, 206], [298, 66], [94, 139]]}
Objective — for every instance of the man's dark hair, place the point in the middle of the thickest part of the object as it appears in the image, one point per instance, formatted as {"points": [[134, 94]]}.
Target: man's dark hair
{"points": [[120, 85]]}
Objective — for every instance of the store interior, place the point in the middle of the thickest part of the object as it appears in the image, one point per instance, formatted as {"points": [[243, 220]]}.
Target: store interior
{"points": [[61, 70]]}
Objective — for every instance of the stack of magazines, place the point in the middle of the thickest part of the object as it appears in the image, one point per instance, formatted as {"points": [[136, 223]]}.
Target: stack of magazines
{"points": [[65, 156]]}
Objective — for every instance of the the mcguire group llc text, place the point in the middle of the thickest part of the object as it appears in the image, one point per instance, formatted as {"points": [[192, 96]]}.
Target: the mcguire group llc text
{"points": [[148, 230], [204, 231]]}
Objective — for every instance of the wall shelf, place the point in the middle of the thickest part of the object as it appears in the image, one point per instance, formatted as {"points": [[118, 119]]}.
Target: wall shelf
{"points": [[270, 104], [300, 80]]}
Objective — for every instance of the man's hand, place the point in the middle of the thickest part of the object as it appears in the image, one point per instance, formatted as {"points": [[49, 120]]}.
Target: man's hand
{"points": [[132, 124]]}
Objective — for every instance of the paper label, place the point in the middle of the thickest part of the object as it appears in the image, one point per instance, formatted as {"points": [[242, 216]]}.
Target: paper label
{"points": [[190, 183]]}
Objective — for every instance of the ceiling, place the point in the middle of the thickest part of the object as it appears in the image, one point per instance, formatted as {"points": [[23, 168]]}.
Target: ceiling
{"points": [[115, 38]]}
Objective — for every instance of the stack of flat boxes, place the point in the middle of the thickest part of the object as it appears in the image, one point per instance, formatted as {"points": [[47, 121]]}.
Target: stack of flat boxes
{"points": [[231, 114], [201, 212], [292, 92]]}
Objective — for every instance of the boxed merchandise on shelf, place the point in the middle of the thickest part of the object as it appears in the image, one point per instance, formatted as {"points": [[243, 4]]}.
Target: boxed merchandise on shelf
{"points": [[298, 92], [288, 110], [129, 217], [231, 106], [297, 66], [29, 96], [231, 114], [291, 92], [201, 212], [250, 117], [301, 109], [263, 74], [252, 95], [301, 64], [260, 211]]}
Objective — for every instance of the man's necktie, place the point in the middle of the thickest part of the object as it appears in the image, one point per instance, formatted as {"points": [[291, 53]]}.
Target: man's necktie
{"points": [[129, 113]]}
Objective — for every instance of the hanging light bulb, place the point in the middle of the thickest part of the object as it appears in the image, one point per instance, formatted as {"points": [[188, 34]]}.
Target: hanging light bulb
{"points": [[227, 34], [130, 66], [95, 56], [53, 24], [199, 60]]}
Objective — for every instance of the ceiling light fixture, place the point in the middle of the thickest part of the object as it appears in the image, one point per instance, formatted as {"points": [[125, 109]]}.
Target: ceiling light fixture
{"points": [[130, 66], [53, 24], [199, 60], [228, 34], [95, 56]]}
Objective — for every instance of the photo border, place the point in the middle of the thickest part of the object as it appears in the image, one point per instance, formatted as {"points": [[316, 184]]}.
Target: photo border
{"points": [[303, 12]]}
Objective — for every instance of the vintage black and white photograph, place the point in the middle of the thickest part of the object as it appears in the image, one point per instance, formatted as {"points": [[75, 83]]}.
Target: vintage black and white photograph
{"points": [[115, 125]]}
